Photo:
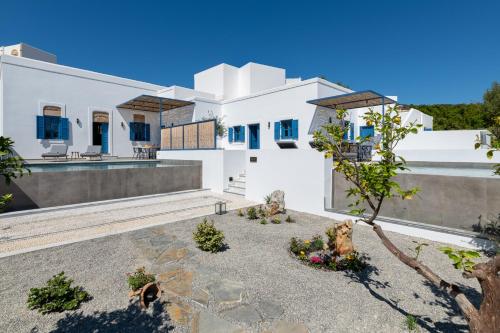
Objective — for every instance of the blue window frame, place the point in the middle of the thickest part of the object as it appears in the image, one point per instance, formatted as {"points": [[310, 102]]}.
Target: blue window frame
{"points": [[237, 134], [366, 131], [52, 128], [286, 130], [140, 131]]}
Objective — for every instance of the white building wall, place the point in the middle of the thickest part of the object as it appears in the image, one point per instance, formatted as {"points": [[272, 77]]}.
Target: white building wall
{"points": [[29, 84]]}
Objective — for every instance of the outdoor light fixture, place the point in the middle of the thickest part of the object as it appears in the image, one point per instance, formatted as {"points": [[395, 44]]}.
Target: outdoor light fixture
{"points": [[123, 124], [268, 125], [220, 207], [78, 122]]}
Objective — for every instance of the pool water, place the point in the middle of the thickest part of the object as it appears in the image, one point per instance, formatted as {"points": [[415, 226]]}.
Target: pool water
{"points": [[64, 166], [450, 171]]}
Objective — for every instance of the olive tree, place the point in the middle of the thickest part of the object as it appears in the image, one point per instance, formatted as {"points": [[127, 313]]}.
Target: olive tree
{"points": [[11, 167], [371, 183]]}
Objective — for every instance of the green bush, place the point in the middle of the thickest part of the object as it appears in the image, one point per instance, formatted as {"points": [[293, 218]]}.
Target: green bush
{"points": [[240, 213], [289, 219], [411, 323], [297, 246], [267, 199], [263, 221], [261, 212], [139, 279], [316, 243], [252, 213], [276, 220], [57, 296], [208, 237]]}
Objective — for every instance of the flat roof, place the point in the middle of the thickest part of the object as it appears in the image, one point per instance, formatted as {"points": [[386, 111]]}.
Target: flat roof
{"points": [[153, 103], [360, 99]]}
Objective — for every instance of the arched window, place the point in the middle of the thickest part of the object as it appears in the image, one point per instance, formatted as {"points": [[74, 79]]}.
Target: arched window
{"points": [[51, 125]]}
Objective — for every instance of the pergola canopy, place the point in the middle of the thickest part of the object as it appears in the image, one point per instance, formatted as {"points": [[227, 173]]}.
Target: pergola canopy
{"points": [[153, 103], [360, 99]]}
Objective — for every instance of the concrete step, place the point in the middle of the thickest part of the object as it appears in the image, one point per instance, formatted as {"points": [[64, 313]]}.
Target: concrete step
{"points": [[238, 181], [235, 190], [237, 185]]}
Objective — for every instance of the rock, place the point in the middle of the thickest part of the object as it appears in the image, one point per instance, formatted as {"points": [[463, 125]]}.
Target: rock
{"points": [[177, 282], [343, 239], [209, 323], [276, 204], [244, 314], [200, 297], [270, 310], [226, 292], [286, 327], [179, 312]]}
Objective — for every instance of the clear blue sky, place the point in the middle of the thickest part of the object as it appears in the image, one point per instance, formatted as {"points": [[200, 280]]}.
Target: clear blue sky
{"points": [[425, 51]]}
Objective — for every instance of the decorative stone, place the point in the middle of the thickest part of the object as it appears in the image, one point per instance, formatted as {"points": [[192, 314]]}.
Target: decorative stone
{"points": [[343, 239], [177, 282], [179, 312], [276, 204], [209, 323], [226, 292], [244, 313], [200, 297], [286, 327], [270, 310]]}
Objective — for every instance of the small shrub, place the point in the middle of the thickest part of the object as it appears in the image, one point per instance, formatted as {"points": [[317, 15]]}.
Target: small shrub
{"points": [[352, 262], [139, 279], [240, 213], [4, 201], [261, 212], [276, 220], [263, 221], [208, 237], [267, 199], [289, 219], [57, 296], [316, 243], [252, 213], [411, 323]]}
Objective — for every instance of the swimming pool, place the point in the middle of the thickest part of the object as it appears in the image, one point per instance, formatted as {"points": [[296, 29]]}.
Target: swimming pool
{"points": [[85, 166]]}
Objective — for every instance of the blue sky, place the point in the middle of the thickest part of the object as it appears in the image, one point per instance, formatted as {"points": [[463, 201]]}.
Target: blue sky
{"points": [[423, 51]]}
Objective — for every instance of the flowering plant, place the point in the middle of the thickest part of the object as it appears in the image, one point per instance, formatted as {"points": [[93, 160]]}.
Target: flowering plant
{"points": [[316, 260]]}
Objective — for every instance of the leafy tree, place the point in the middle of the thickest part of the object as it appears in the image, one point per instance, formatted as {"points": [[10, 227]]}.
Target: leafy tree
{"points": [[373, 182], [455, 116], [491, 99], [11, 167]]}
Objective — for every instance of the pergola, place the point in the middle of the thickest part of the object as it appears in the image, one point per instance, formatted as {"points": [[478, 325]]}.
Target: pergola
{"points": [[154, 104], [355, 100]]}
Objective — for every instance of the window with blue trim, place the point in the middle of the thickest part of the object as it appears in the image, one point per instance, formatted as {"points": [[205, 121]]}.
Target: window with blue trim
{"points": [[51, 125], [139, 131], [286, 130], [237, 134]]}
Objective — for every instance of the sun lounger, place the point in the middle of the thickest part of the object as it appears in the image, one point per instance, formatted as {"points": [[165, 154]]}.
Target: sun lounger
{"points": [[56, 151], [92, 151]]}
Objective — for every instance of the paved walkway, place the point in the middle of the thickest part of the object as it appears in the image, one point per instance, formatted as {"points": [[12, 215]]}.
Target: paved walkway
{"points": [[42, 229]]}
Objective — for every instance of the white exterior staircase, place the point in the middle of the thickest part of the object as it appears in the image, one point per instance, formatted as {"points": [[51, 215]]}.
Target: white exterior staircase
{"points": [[237, 185]]}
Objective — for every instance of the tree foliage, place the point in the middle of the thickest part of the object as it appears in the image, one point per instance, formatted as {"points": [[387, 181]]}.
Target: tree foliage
{"points": [[455, 116], [11, 167]]}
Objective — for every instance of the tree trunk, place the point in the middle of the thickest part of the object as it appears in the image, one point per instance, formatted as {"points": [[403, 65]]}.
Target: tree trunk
{"points": [[487, 319]]}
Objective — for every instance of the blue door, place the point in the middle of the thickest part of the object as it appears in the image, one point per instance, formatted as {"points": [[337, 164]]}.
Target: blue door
{"points": [[104, 137], [366, 131], [254, 136]]}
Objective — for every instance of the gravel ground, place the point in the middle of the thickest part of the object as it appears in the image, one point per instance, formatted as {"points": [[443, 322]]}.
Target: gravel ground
{"points": [[376, 301]]}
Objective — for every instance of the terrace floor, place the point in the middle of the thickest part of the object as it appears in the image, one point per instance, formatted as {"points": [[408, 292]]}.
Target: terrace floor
{"points": [[253, 286]]}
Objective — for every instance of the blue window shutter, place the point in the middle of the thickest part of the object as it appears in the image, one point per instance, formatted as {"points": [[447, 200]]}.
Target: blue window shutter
{"points": [[147, 135], [132, 131], [242, 133], [351, 131], [277, 130], [230, 135], [295, 129], [40, 127], [346, 130], [64, 129]]}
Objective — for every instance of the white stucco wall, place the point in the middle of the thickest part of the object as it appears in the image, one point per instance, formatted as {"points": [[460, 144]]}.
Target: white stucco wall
{"points": [[29, 84]]}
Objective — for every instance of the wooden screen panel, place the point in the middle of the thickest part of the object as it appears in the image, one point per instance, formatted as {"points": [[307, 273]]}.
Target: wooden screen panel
{"points": [[165, 138], [207, 134], [176, 137], [191, 136]]}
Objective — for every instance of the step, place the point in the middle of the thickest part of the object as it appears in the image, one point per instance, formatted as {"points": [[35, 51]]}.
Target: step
{"points": [[236, 185], [238, 181], [235, 190]]}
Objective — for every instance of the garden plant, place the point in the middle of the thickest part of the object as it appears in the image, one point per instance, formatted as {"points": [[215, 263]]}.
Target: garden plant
{"points": [[139, 279], [57, 296], [373, 182], [11, 167], [208, 237]]}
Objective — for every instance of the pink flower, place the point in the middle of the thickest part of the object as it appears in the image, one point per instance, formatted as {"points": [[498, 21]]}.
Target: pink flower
{"points": [[316, 260]]}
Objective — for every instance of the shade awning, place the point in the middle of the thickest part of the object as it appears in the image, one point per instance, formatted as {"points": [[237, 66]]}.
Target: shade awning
{"points": [[360, 99], [153, 103]]}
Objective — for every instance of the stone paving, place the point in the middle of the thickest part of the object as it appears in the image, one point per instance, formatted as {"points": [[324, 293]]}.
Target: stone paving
{"points": [[187, 305]]}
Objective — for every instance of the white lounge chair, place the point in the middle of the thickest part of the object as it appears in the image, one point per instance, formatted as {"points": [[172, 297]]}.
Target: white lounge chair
{"points": [[56, 151], [93, 151]]}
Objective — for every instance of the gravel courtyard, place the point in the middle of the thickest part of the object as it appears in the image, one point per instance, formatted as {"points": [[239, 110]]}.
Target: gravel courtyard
{"points": [[253, 286]]}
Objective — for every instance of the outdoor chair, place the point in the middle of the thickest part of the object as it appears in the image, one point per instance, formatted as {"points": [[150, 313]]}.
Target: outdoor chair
{"points": [[56, 151], [93, 152]]}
